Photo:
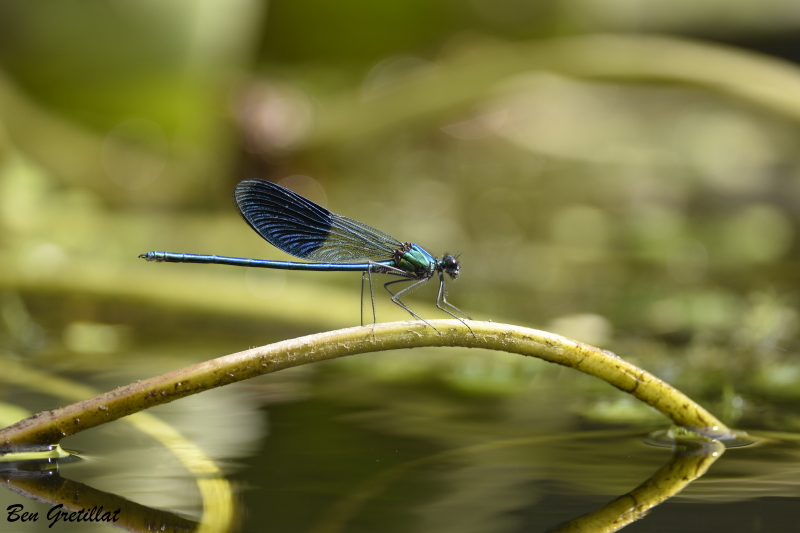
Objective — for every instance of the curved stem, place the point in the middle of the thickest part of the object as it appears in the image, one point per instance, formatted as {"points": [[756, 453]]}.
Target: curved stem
{"points": [[50, 427]]}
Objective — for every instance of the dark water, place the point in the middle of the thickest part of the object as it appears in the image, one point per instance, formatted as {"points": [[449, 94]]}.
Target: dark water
{"points": [[356, 446]]}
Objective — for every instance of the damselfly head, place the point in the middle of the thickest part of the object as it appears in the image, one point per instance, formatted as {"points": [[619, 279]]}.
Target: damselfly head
{"points": [[450, 265]]}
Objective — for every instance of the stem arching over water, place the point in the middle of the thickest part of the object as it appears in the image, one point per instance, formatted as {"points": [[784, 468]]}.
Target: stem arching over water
{"points": [[51, 426]]}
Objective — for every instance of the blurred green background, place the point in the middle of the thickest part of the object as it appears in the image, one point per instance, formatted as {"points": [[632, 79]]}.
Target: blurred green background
{"points": [[622, 172], [632, 191]]}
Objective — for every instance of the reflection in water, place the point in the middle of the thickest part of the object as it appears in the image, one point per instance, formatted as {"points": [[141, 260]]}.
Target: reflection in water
{"points": [[47, 486], [690, 460], [215, 491], [485, 503]]}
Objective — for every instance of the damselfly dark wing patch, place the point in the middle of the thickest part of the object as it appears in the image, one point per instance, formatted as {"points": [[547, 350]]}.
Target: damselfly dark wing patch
{"points": [[306, 230]]}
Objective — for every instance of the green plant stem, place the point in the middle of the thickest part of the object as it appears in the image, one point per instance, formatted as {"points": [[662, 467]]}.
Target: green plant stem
{"points": [[51, 426]]}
